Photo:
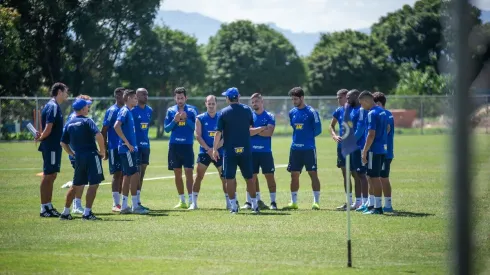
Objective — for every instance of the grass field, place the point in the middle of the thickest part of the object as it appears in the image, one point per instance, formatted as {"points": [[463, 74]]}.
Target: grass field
{"points": [[211, 241]]}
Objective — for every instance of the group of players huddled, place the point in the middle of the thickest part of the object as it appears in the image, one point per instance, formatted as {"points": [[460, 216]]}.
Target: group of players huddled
{"points": [[235, 137]]}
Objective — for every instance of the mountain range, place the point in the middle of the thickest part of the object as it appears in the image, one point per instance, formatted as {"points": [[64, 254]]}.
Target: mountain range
{"points": [[203, 27]]}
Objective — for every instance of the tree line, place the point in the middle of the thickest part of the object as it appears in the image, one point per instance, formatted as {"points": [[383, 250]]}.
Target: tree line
{"points": [[94, 46]]}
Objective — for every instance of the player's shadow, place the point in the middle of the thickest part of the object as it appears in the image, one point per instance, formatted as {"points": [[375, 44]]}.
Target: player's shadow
{"points": [[408, 214], [156, 214]]}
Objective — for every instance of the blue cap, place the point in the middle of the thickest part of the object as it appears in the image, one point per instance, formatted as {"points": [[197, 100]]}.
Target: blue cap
{"points": [[231, 93], [80, 104]]}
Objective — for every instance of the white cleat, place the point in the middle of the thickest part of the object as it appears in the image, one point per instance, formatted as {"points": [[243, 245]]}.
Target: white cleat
{"points": [[67, 185], [193, 207], [77, 210], [247, 205], [139, 210]]}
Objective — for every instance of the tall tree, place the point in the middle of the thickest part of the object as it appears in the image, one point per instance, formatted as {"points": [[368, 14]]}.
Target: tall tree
{"points": [[253, 58], [349, 59]]}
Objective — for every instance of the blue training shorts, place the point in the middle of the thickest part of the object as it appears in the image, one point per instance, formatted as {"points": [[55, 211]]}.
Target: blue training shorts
{"points": [[232, 161], [51, 160], [129, 162], [114, 161], [180, 155], [302, 158], [264, 161], [88, 169]]}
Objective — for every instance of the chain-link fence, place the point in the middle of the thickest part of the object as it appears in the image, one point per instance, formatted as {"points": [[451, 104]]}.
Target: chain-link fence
{"points": [[413, 114]]}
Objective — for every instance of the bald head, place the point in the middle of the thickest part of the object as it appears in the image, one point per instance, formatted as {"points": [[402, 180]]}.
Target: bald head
{"points": [[211, 104], [142, 95], [352, 97]]}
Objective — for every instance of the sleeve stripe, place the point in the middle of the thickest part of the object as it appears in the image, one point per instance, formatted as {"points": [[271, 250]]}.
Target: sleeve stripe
{"points": [[111, 112]]}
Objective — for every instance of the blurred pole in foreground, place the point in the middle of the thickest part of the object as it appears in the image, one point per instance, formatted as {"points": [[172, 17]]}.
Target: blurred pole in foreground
{"points": [[461, 234]]}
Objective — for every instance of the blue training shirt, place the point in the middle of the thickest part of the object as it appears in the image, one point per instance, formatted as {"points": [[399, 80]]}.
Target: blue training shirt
{"points": [[235, 121], [208, 130], [142, 118], [128, 130], [358, 117], [80, 135], [70, 117], [377, 120], [182, 131], [338, 114], [109, 121], [260, 143], [306, 126], [391, 136], [52, 114]]}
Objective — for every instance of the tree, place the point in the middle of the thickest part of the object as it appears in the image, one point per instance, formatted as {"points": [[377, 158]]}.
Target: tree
{"points": [[253, 58], [422, 82], [420, 35], [161, 60], [349, 59]]}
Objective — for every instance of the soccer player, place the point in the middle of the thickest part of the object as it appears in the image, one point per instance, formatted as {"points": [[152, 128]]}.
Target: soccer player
{"points": [[262, 152], [77, 202], [128, 149], [235, 126], [112, 142], [375, 148], [205, 130], [380, 100], [358, 118], [181, 121], [80, 135], [142, 118], [50, 138], [306, 126]]}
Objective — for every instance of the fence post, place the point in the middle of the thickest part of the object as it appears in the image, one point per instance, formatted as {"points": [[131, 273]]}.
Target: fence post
{"points": [[421, 115], [485, 120]]}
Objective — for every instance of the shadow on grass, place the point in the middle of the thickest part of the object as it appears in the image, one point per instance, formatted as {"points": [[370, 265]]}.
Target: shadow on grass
{"points": [[408, 214]]}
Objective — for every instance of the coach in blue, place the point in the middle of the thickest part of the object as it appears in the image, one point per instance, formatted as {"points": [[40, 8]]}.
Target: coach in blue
{"points": [[52, 120], [306, 126], [235, 126], [181, 121], [78, 140], [142, 117]]}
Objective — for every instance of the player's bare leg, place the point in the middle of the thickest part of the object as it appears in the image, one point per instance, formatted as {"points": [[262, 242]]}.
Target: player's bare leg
{"points": [[386, 185], [77, 202], [196, 186], [189, 180], [89, 201], [231, 189], [294, 187], [223, 182], [251, 187], [179, 184], [70, 195], [117, 179], [315, 185], [271, 184], [46, 192], [248, 203], [125, 193], [140, 185]]}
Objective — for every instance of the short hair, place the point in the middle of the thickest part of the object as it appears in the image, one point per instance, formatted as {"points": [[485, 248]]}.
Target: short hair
{"points": [[141, 90], [354, 92], [86, 97], [128, 93], [57, 87], [256, 95], [342, 92], [297, 92], [379, 97], [235, 99], [213, 97], [365, 94], [119, 90], [180, 90]]}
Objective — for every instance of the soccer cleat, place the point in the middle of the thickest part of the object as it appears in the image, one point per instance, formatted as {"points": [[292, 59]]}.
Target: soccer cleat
{"points": [[48, 213], [291, 206], [256, 211], [374, 211], [247, 205], [361, 208], [90, 217], [193, 207], [181, 205], [315, 206], [78, 210], [116, 208], [354, 206], [237, 205], [369, 208], [140, 211], [67, 185], [144, 207], [273, 206], [67, 217], [126, 210], [55, 212], [343, 207], [262, 205], [388, 209], [234, 211]]}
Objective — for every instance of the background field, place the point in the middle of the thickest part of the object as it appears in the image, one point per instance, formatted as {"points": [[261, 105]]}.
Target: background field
{"points": [[211, 241]]}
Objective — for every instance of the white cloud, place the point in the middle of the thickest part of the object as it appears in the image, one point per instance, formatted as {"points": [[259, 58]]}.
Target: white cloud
{"points": [[482, 4], [296, 15]]}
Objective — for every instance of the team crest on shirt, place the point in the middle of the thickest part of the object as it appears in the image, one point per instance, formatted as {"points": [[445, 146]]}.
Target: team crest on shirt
{"points": [[238, 150], [144, 125], [181, 123], [298, 126], [211, 133]]}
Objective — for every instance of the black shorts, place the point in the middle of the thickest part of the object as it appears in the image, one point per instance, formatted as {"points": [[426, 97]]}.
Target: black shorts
{"points": [[206, 160], [375, 163], [264, 161], [232, 161], [114, 161], [129, 163], [88, 169], [385, 169], [302, 158], [51, 161], [340, 157], [143, 156], [356, 162], [180, 155]]}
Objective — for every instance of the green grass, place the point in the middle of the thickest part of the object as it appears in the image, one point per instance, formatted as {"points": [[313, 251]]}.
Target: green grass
{"points": [[211, 241]]}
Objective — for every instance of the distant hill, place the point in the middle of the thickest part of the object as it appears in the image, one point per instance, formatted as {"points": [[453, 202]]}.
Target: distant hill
{"points": [[203, 27]]}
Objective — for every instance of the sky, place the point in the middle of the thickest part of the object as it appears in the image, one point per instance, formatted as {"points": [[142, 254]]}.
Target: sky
{"points": [[298, 15]]}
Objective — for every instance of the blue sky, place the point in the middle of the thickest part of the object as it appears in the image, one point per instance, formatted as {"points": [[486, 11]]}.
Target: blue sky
{"points": [[298, 15]]}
